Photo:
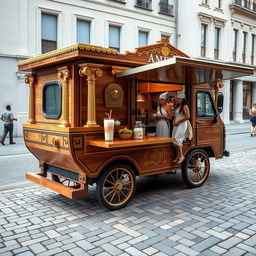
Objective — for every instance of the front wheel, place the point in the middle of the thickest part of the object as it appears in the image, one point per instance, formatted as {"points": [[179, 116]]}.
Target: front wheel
{"points": [[116, 186], [196, 168]]}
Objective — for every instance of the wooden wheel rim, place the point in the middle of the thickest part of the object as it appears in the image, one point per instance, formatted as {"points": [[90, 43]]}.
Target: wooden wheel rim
{"points": [[118, 186], [198, 168]]}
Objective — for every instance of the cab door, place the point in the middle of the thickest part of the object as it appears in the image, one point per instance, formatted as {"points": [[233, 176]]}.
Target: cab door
{"points": [[209, 125]]}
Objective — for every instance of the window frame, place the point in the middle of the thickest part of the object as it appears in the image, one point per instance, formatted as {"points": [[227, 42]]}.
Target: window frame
{"points": [[203, 46], [90, 28], [204, 106], [120, 36], [146, 33], [51, 116], [55, 12]]}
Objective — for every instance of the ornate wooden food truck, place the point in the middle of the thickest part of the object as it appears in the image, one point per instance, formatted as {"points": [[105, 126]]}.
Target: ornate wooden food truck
{"points": [[71, 89]]}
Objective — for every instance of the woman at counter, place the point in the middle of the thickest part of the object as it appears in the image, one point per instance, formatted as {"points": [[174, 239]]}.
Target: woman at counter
{"points": [[182, 114], [163, 116]]}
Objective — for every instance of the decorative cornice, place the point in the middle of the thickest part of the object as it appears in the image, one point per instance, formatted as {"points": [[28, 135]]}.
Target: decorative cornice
{"points": [[72, 48]]}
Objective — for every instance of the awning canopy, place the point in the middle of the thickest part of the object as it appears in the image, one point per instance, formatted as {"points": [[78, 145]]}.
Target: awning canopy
{"points": [[186, 71]]}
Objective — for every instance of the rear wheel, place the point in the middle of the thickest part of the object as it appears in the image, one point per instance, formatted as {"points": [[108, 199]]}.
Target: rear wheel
{"points": [[116, 186], [65, 181], [196, 168]]}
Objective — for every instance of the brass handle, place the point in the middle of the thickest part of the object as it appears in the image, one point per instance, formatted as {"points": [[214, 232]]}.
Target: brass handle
{"points": [[56, 142]]}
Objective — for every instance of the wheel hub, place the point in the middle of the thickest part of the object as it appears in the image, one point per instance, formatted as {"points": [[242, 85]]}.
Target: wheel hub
{"points": [[197, 167], [118, 186]]}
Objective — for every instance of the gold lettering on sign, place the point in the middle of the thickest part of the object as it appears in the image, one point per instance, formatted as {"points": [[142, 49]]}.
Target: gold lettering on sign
{"points": [[156, 58]]}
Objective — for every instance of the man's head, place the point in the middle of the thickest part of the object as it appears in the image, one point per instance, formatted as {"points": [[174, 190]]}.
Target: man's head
{"points": [[8, 107]]}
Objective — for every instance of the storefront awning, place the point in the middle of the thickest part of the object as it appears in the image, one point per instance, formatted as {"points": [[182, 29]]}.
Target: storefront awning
{"points": [[186, 71]]}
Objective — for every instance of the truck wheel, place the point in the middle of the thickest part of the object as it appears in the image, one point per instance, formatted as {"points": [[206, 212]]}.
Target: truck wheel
{"points": [[116, 186], [196, 168]]}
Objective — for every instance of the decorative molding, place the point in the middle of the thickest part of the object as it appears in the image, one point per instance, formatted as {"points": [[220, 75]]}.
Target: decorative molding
{"points": [[72, 48]]}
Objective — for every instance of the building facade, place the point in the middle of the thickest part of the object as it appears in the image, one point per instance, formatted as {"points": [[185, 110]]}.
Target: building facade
{"points": [[209, 29], [222, 30], [31, 27]]}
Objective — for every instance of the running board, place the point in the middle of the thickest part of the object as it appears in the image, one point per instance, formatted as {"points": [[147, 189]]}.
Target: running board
{"points": [[58, 187]]}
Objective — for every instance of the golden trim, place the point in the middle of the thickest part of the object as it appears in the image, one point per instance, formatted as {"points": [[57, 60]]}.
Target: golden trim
{"points": [[72, 48]]}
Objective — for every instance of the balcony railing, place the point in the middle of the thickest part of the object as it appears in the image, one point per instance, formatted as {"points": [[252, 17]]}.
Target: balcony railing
{"points": [[147, 4], [246, 4], [166, 8]]}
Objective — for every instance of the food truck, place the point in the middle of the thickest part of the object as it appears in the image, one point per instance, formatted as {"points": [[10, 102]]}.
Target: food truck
{"points": [[71, 89]]}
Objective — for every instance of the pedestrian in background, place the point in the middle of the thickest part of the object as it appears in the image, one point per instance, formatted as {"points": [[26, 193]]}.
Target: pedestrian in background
{"points": [[7, 117], [253, 119]]}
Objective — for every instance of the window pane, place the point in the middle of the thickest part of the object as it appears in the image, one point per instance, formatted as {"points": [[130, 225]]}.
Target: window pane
{"points": [[235, 40], [83, 31], [205, 106], [217, 38], [143, 38], [203, 35], [49, 27], [253, 45], [52, 100], [114, 37], [209, 110], [244, 46]]}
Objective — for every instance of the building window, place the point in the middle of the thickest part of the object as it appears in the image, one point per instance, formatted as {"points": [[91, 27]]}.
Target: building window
{"points": [[218, 4], [83, 31], [204, 1], [48, 32], [165, 7], [253, 49], [114, 37], [164, 36], [147, 4], [235, 44], [143, 38], [203, 39], [52, 100], [247, 99], [244, 47], [216, 43]]}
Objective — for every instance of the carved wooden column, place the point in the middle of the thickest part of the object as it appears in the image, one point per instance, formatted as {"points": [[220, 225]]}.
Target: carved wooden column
{"points": [[91, 71], [31, 80], [64, 74]]}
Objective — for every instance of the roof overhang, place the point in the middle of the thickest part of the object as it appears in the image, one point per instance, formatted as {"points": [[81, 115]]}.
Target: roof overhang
{"points": [[186, 71]]}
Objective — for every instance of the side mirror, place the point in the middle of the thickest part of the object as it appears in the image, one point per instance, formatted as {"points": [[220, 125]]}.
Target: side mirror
{"points": [[220, 102]]}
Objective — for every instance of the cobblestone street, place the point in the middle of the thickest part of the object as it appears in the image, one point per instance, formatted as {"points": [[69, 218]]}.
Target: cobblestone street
{"points": [[164, 217]]}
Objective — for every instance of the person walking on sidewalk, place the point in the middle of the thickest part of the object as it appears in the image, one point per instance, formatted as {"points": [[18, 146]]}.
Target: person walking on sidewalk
{"points": [[7, 117], [253, 119]]}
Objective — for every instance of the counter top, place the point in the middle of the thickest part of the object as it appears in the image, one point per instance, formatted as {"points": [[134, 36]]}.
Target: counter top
{"points": [[119, 143]]}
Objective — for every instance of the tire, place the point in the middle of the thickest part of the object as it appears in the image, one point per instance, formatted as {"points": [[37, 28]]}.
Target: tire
{"points": [[196, 168], [116, 186]]}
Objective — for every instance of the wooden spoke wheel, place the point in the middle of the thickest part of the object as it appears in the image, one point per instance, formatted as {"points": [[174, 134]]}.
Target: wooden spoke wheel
{"points": [[196, 168], [64, 181], [116, 186]]}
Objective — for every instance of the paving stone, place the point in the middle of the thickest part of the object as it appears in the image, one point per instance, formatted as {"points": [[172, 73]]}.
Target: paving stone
{"points": [[227, 244]]}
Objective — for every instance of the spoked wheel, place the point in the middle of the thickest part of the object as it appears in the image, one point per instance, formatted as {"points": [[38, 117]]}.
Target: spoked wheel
{"points": [[196, 168], [64, 181], [116, 187]]}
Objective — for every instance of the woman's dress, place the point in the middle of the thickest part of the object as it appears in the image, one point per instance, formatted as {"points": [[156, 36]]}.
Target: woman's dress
{"points": [[179, 131], [162, 125]]}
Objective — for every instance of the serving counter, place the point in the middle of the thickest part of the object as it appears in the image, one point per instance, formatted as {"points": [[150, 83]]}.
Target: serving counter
{"points": [[119, 143]]}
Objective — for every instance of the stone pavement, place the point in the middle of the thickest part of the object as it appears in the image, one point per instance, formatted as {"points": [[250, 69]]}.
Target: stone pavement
{"points": [[164, 217]]}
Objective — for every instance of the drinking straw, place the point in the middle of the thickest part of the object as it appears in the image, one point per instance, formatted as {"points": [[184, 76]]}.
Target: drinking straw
{"points": [[109, 114]]}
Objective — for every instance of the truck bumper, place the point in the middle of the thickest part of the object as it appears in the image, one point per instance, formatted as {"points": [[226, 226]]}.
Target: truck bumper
{"points": [[58, 187]]}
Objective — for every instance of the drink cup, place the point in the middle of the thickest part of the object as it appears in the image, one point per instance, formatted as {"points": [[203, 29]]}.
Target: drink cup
{"points": [[109, 129]]}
